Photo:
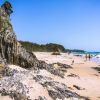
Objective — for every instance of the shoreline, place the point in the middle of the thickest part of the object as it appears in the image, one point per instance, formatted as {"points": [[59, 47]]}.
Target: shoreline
{"points": [[94, 58]]}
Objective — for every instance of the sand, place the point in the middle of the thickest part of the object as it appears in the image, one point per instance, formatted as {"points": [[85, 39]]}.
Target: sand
{"points": [[86, 78], [5, 98]]}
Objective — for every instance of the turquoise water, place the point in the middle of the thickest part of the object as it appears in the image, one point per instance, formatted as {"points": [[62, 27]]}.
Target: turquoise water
{"points": [[92, 53], [97, 60]]}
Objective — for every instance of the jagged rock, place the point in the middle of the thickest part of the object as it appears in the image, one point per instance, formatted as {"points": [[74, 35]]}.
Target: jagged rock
{"points": [[14, 82], [14, 95], [41, 98], [10, 48], [15, 86], [60, 70], [13, 52], [56, 89]]}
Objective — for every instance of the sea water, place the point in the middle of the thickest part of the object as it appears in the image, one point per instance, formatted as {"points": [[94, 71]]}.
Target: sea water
{"points": [[95, 55]]}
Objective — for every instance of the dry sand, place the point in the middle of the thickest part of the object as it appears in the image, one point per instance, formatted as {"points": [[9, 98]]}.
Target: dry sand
{"points": [[5, 98], [86, 78]]}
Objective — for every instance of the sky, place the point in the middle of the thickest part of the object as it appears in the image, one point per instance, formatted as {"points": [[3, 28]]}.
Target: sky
{"points": [[72, 23]]}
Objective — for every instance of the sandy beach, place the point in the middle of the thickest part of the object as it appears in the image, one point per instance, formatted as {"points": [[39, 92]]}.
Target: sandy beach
{"points": [[32, 65], [81, 78]]}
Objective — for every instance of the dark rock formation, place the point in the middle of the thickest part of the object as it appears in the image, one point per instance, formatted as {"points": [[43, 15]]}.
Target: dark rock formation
{"points": [[13, 52], [57, 90], [15, 86], [97, 69], [15, 83], [7, 7], [10, 49]]}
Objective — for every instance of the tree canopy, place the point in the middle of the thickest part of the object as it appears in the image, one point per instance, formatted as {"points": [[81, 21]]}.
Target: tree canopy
{"points": [[51, 47]]}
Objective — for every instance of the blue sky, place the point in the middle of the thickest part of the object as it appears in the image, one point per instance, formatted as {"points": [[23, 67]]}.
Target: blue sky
{"points": [[72, 23]]}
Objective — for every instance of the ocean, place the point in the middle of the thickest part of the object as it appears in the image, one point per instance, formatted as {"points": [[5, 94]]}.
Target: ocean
{"points": [[95, 55], [92, 53]]}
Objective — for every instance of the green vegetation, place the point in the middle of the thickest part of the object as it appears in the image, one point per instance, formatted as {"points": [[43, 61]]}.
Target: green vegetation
{"points": [[75, 50], [51, 47]]}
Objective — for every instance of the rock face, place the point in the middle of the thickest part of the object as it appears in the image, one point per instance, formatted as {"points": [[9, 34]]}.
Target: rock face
{"points": [[10, 49], [23, 84], [12, 52]]}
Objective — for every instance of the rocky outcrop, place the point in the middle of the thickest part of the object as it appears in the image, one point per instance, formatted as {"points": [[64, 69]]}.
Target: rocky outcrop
{"points": [[23, 84], [56, 90], [10, 49], [12, 52]]}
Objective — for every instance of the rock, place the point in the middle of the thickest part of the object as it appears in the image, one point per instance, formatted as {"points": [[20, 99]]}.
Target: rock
{"points": [[41, 98], [73, 75], [14, 85], [23, 84], [10, 48], [2, 65], [78, 88], [60, 70], [59, 90], [97, 69], [56, 90], [13, 52]]}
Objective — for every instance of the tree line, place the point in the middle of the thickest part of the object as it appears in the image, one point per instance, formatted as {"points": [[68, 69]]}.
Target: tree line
{"points": [[50, 47]]}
